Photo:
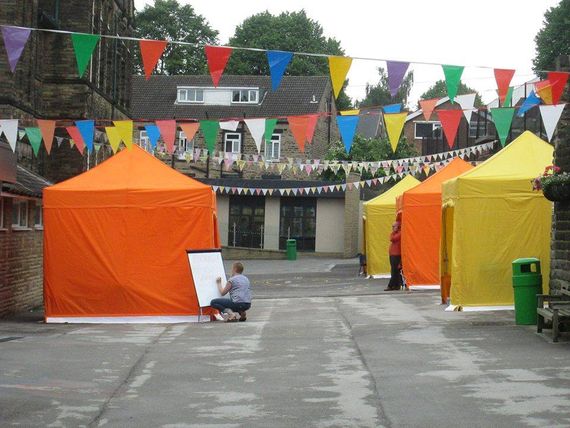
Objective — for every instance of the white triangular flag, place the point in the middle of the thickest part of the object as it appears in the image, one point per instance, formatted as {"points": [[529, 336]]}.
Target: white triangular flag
{"points": [[466, 102], [550, 116], [257, 129], [10, 129], [229, 125]]}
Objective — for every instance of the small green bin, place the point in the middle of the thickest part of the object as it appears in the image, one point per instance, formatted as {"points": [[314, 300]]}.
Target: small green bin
{"points": [[291, 249], [527, 283]]}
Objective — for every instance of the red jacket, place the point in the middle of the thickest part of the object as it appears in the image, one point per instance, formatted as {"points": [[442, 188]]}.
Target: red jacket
{"points": [[395, 248]]}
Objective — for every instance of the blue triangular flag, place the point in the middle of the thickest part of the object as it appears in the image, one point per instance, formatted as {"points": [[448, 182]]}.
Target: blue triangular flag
{"points": [[393, 108], [87, 131], [278, 62], [153, 134], [531, 101], [347, 128]]}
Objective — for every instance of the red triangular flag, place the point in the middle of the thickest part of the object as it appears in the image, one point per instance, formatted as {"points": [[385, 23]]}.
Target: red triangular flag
{"points": [[558, 80], [47, 128], [503, 78], [450, 122], [76, 137], [151, 51], [298, 126], [189, 129], [428, 106], [217, 57], [167, 130], [311, 125]]}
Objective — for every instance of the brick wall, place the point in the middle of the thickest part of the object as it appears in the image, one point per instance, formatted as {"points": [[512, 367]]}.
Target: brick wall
{"points": [[560, 248], [21, 264], [352, 217]]}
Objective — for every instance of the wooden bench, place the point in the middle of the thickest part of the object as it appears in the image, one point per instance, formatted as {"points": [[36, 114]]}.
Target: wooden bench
{"points": [[557, 311]]}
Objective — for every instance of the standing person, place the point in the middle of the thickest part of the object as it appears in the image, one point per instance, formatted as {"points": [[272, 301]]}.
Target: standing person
{"points": [[395, 253], [240, 296]]}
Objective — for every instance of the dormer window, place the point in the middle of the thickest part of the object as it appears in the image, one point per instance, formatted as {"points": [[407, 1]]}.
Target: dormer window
{"points": [[190, 95], [245, 96]]}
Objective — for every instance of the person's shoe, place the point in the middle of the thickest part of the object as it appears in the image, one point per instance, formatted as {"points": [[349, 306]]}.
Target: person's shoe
{"points": [[231, 315], [390, 289], [242, 316], [221, 317]]}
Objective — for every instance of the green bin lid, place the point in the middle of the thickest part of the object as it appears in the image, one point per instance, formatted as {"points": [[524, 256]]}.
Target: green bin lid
{"points": [[526, 260]]}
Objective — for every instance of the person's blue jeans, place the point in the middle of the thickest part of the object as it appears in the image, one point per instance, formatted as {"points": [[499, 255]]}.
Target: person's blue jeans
{"points": [[221, 304]]}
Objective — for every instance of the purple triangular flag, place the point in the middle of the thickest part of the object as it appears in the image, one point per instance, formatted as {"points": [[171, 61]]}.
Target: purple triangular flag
{"points": [[396, 72], [15, 39]]}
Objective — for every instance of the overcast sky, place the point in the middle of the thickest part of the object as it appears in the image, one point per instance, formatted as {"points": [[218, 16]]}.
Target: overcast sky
{"points": [[494, 33]]}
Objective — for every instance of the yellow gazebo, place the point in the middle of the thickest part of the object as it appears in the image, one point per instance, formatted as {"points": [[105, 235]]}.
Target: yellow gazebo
{"points": [[491, 216]]}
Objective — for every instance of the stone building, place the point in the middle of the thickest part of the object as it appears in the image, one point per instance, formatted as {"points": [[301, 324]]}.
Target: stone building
{"points": [[560, 250], [46, 84]]}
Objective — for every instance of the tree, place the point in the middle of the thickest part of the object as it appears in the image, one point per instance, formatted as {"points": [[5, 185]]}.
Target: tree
{"points": [[167, 19], [367, 150], [289, 31], [554, 38], [379, 94], [439, 90]]}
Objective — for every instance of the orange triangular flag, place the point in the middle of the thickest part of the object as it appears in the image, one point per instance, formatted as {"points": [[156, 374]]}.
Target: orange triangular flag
{"points": [[503, 78], [189, 129], [151, 51], [428, 106], [217, 57], [47, 128], [298, 126], [544, 90], [311, 126]]}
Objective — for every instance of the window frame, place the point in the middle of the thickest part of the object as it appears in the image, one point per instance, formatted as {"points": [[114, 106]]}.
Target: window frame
{"points": [[39, 206], [435, 124], [16, 204], [187, 90], [239, 134], [2, 205], [248, 92], [272, 145]]}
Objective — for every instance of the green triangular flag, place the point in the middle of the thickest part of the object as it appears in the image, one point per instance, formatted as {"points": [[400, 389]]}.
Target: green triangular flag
{"points": [[35, 138], [452, 78], [503, 118], [508, 97], [83, 45], [269, 127], [97, 147], [210, 130]]}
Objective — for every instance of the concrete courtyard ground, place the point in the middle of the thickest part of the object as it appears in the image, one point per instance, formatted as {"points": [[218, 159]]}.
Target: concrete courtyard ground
{"points": [[321, 348]]}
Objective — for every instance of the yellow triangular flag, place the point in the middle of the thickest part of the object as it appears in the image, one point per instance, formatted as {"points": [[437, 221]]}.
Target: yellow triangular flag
{"points": [[114, 137], [394, 125], [338, 68], [125, 130], [349, 112]]}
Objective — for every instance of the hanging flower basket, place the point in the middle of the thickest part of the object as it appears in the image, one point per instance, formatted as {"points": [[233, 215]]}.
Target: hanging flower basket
{"points": [[554, 183], [557, 190]]}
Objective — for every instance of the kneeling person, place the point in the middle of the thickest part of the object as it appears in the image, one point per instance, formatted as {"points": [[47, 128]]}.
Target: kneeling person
{"points": [[240, 296]]}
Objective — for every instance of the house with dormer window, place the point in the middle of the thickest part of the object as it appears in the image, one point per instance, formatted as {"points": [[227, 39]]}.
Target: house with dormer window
{"points": [[191, 98]]}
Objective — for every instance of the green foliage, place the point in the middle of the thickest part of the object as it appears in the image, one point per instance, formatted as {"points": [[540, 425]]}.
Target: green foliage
{"points": [[439, 90], [289, 31], [167, 19], [367, 150], [379, 94], [554, 38]]}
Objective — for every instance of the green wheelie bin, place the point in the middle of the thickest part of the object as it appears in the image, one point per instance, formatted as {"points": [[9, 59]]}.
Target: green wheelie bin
{"points": [[291, 249], [527, 283]]}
